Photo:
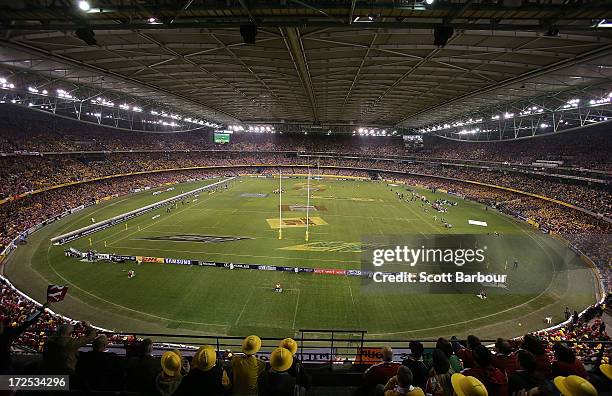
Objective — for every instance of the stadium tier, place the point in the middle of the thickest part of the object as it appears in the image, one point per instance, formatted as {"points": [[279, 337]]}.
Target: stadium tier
{"points": [[306, 198]]}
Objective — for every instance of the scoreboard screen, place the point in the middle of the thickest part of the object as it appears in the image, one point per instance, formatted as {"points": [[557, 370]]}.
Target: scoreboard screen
{"points": [[222, 138], [413, 141]]}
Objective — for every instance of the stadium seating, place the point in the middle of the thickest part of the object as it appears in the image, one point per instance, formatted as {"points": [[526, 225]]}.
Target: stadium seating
{"points": [[586, 335]]}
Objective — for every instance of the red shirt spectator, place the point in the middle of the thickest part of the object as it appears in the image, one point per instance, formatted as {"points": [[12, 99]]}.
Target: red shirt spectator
{"points": [[465, 354], [567, 363], [381, 372], [505, 358], [493, 378]]}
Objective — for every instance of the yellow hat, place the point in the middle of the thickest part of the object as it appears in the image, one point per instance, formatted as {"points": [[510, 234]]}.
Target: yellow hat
{"points": [[573, 385], [251, 345], [416, 392], [205, 358], [468, 386], [171, 364], [606, 369], [290, 344], [281, 359], [179, 353]]}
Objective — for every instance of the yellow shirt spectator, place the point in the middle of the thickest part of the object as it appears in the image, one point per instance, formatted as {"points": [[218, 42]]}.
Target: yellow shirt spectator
{"points": [[246, 371]]}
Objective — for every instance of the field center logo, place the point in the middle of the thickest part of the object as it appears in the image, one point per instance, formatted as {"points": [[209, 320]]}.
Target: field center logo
{"points": [[313, 187], [342, 247], [194, 238], [302, 208]]}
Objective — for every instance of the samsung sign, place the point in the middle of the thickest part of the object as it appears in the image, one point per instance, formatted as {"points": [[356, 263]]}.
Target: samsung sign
{"points": [[177, 261]]}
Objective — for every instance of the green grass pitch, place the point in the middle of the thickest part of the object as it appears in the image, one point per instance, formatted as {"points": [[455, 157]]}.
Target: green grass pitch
{"points": [[185, 299]]}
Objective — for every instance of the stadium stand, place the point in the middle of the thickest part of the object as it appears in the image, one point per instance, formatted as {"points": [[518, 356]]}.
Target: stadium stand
{"points": [[584, 340]]}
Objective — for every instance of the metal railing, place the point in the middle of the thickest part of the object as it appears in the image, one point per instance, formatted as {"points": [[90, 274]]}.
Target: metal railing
{"points": [[318, 346]]}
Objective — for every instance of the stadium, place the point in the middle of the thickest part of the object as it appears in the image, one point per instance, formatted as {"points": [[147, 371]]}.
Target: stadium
{"points": [[306, 197]]}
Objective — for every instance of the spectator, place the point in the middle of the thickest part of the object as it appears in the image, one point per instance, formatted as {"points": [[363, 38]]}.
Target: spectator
{"points": [[99, 370], [574, 385], [206, 375], [493, 378], [142, 369], [402, 384], [169, 379], [465, 353], [379, 373], [414, 361], [445, 346], [504, 358], [297, 368], [468, 386], [606, 370], [534, 345], [185, 367], [247, 369], [9, 334], [278, 380], [566, 363], [526, 377], [61, 351], [439, 381]]}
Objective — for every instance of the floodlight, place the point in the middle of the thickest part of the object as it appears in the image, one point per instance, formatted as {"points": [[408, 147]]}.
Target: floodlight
{"points": [[429, 2], [84, 5], [604, 23]]}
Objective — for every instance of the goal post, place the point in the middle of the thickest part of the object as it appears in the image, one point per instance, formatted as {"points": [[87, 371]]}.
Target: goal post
{"points": [[280, 203]]}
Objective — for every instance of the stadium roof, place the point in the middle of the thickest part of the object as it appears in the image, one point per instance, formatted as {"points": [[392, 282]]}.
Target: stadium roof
{"points": [[315, 62]]}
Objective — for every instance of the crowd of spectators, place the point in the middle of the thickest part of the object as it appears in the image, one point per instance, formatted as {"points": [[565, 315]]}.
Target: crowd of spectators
{"points": [[62, 344], [589, 149], [509, 366], [22, 174], [23, 130], [506, 368]]}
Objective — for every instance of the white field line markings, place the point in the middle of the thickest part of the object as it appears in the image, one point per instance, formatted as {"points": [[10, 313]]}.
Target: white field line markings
{"points": [[158, 221], [244, 306], [297, 304], [162, 218]]}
